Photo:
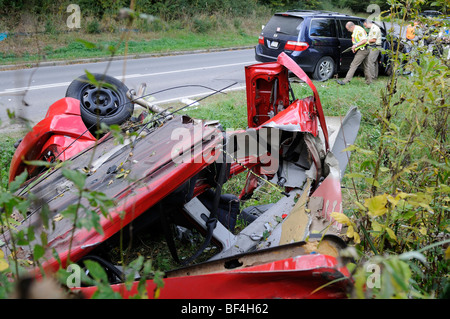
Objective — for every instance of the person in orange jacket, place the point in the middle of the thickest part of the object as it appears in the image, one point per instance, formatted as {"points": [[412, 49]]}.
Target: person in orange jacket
{"points": [[411, 31]]}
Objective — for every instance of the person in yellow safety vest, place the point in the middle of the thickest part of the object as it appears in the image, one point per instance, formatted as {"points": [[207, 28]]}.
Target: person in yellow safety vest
{"points": [[359, 40], [374, 46]]}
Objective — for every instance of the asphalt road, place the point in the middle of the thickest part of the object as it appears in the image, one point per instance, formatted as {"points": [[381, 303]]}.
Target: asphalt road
{"points": [[29, 92]]}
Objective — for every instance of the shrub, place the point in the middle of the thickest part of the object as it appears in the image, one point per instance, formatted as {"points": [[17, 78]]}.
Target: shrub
{"points": [[93, 27], [204, 24]]}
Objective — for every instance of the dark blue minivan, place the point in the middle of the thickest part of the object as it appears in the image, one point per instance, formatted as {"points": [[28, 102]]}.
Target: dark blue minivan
{"points": [[314, 39]]}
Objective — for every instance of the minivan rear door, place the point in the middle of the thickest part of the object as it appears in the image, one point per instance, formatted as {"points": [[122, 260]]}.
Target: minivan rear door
{"points": [[279, 30], [323, 36]]}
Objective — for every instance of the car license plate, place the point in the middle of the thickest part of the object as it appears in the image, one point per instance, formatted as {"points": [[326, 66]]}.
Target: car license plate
{"points": [[274, 44]]}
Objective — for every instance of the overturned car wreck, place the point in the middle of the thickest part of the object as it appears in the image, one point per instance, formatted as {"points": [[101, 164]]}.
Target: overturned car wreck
{"points": [[175, 167]]}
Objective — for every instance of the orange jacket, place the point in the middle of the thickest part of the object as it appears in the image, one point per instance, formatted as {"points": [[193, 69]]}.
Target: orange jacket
{"points": [[410, 34]]}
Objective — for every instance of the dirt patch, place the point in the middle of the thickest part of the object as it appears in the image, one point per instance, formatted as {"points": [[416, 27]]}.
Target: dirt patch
{"points": [[13, 130]]}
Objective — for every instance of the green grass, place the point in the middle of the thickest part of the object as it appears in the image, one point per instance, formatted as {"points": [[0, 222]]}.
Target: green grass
{"points": [[186, 34], [337, 99], [179, 42], [6, 153], [229, 108]]}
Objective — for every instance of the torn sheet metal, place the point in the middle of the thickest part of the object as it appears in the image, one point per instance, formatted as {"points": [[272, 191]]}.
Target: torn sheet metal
{"points": [[344, 137], [295, 225], [299, 118], [252, 235], [291, 65]]}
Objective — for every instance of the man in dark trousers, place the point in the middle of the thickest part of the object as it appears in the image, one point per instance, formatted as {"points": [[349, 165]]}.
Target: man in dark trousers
{"points": [[374, 46], [359, 40]]}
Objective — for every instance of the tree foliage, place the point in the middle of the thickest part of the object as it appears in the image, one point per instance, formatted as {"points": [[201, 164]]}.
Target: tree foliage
{"points": [[172, 9]]}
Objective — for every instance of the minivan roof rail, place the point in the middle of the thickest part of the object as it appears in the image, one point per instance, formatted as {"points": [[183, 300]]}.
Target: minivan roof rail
{"points": [[308, 11], [319, 12]]}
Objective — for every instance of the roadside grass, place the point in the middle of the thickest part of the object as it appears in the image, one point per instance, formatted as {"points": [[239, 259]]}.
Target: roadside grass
{"points": [[230, 108], [28, 45], [72, 48], [6, 153]]}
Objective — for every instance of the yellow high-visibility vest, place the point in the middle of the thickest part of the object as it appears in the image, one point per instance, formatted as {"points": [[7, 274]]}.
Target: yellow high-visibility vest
{"points": [[359, 34]]}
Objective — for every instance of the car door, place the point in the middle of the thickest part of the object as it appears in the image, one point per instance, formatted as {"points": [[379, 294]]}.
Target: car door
{"points": [[345, 41], [324, 40]]}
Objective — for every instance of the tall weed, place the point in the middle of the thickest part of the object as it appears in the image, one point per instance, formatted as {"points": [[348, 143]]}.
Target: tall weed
{"points": [[400, 179]]}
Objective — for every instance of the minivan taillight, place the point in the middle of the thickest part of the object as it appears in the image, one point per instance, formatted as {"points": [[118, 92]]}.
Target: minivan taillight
{"points": [[296, 46], [261, 40]]}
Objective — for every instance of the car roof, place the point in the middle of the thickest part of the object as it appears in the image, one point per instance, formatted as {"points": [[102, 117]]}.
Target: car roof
{"points": [[315, 13]]}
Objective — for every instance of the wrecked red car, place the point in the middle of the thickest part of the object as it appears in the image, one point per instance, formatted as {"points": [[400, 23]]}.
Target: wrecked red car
{"points": [[172, 170]]}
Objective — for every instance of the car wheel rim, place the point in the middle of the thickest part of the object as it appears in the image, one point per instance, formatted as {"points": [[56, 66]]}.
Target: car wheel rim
{"points": [[325, 69], [100, 101]]}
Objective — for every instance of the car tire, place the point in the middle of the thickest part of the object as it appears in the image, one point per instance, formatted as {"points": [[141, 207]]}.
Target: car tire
{"points": [[108, 104], [325, 69]]}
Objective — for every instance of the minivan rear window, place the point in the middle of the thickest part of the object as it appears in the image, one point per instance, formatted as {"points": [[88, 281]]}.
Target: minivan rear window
{"points": [[283, 24]]}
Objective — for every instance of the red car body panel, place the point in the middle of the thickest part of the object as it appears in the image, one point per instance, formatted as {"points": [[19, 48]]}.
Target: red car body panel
{"points": [[292, 278], [261, 98], [291, 65], [61, 129]]}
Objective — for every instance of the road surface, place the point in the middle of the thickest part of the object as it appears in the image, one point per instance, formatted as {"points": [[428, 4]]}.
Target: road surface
{"points": [[29, 92]]}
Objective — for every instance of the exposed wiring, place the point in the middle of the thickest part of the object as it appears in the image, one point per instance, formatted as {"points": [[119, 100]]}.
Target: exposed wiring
{"points": [[256, 175], [179, 87]]}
